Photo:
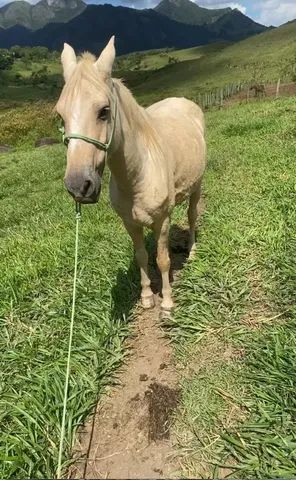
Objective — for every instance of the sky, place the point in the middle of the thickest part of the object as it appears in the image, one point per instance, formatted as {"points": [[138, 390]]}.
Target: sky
{"points": [[267, 12]]}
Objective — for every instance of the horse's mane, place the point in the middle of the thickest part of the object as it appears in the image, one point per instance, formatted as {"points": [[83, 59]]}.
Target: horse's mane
{"points": [[137, 117]]}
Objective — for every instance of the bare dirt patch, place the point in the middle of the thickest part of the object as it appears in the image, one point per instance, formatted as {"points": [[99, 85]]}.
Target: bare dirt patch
{"points": [[129, 435]]}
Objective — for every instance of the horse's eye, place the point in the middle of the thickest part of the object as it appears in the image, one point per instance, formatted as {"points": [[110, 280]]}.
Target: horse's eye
{"points": [[103, 113]]}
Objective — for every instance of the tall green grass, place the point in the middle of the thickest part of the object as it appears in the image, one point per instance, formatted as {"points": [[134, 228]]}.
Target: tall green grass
{"points": [[235, 320], [36, 254]]}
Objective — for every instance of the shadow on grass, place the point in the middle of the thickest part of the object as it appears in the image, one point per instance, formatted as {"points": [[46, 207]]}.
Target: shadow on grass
{"points": [[126, 292]]}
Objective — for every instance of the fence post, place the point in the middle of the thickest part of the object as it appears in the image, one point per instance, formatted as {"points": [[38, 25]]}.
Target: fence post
{"points": [[278, 88]]}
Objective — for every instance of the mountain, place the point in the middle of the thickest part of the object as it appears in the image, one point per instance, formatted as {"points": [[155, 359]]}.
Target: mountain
{"points": [[227, 23], [97, 23], [134, 30], [36, 16], [189, 12], [234, 26]]}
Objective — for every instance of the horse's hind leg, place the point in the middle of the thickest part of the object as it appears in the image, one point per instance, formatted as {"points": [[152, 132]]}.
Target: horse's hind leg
{"points": [[192, 217], [137, 236], [161, 230]]}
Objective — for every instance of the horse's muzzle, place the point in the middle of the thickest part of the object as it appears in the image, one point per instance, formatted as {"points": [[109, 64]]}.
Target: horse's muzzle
{"points": [[84, 188]]}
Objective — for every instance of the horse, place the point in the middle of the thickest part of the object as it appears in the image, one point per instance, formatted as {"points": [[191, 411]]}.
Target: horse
{"points": [[156, 156]]}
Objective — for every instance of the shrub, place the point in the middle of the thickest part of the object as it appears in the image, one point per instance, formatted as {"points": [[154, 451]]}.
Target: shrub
{"points": [[26, 124]]}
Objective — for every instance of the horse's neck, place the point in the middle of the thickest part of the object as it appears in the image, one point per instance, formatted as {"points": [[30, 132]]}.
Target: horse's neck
{"points": [[130, 155]]}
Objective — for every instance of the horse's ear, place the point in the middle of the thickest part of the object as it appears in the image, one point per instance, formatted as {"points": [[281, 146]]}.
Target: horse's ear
{"points": [[69, 61], [107, 57]]}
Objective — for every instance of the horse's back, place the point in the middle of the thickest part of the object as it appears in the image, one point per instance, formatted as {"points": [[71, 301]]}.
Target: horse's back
{"points": [[177, 108], [181, 127]]}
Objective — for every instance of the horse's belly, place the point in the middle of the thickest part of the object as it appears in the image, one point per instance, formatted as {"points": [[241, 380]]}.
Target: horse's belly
{"points": [[188, 173]]}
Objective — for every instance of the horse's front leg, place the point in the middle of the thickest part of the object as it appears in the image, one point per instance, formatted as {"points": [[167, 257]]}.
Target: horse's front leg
{"points": [[137, 236], [161, 230]]}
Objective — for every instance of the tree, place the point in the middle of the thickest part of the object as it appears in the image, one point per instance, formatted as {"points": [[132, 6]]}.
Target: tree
{"points": [[6, 59], [39, 77]]}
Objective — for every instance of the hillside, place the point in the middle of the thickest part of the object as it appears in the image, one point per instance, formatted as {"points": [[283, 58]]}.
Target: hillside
{"points": [[189, 12], [264, 57], [36, 16]]}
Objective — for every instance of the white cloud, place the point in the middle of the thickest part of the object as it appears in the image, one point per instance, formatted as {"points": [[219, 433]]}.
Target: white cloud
{"points": [[276, 12], [219, 4]]}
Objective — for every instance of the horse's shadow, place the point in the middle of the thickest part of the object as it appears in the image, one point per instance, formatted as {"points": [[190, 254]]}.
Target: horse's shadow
{"points": [[126, 292]]}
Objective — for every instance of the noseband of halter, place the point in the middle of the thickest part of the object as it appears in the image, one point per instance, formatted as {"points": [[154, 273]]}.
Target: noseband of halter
{"points": [[100, 145]]}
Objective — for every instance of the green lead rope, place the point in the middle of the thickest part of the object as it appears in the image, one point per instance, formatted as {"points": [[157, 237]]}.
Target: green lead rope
{"points": [[68, 370]]}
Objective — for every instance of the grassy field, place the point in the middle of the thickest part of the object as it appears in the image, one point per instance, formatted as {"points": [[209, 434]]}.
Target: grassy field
{"points": [[156, 59], [262, 58], [233, 328], [235, 325], [36, 254]]}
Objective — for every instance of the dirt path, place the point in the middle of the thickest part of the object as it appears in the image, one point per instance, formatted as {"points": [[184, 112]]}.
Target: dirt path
{"points": [[129, 435]]}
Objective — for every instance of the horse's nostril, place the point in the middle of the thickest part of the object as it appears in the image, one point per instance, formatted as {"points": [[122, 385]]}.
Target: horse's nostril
{"points": [[87, 188]]}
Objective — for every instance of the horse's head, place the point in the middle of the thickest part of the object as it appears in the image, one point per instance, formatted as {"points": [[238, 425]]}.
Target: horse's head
{"points": [[85, 107]]}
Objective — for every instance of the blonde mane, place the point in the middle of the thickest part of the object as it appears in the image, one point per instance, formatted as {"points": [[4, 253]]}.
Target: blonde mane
{"points": [[137, 118]]}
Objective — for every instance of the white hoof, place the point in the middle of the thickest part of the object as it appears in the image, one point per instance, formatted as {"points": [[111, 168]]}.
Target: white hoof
{"points": [[165, 313], [148, 302], [192, 252]]}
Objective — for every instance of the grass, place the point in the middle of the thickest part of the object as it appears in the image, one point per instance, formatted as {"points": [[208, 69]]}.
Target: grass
{"points": [[37, 246], [264, 58], [156, 59], [234, 325], [23, 124], [235, 322]]}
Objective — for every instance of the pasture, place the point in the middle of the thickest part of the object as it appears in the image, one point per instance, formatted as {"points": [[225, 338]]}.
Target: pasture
{"points": [[233, 327]]}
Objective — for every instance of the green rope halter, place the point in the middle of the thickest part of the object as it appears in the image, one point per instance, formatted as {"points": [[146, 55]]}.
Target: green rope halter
{"points": [[101, 145]]}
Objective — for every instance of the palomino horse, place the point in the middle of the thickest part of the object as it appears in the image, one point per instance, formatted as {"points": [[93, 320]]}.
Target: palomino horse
{"points": [[156, 156]]}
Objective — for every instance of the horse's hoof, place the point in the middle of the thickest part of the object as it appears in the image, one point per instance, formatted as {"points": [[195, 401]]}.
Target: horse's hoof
{"points": [[165, 313], [192, 252], [148, 302]]}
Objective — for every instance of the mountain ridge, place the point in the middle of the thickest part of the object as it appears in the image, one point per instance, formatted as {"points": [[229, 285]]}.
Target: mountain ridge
{"points": [[186, 11], [34, 17], [150, 29]]}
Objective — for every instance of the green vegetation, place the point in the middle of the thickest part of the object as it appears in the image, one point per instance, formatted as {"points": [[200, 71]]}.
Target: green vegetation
{"points": [[24, 124], [32, 73], [262, 58], [37, 247], [235, 323], [156, 59], [234, 327], [6, 60]]}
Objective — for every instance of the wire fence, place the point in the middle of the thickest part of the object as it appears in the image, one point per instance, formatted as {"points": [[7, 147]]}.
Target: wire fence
{"points": [[218, 97]]}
